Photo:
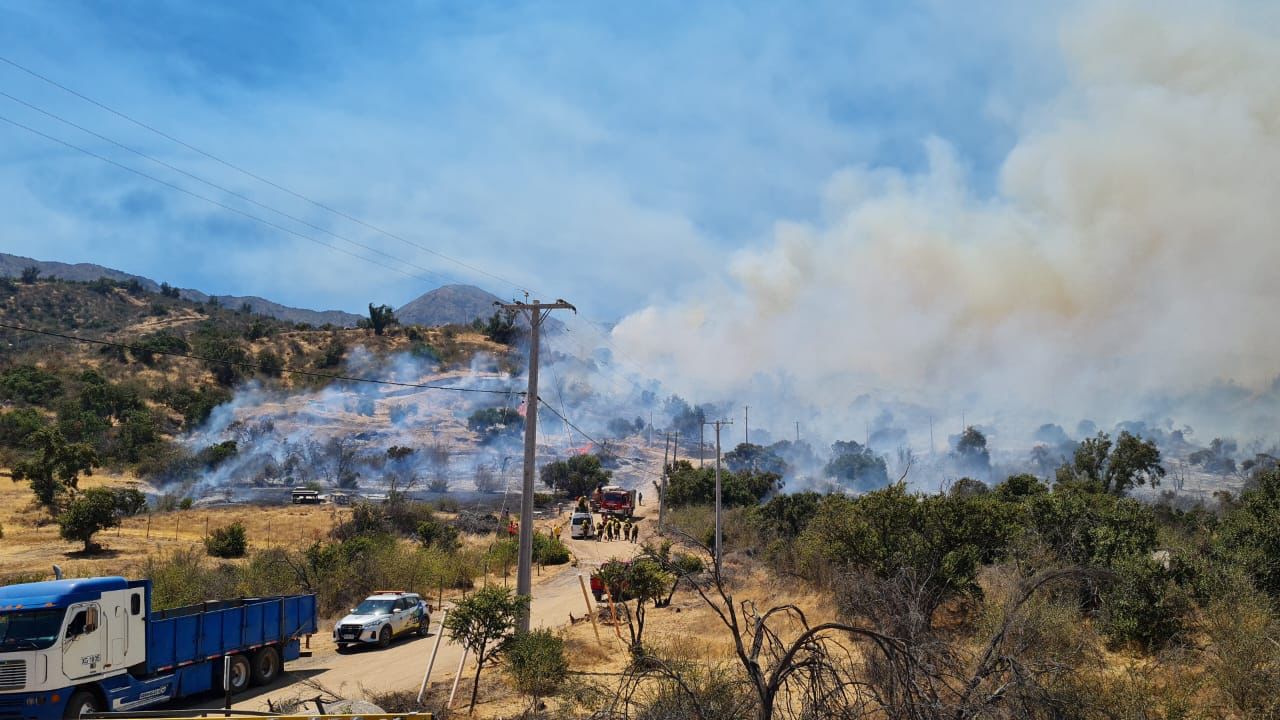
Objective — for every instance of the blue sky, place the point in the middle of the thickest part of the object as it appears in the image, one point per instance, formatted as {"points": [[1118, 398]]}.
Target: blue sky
{"points": [[609, 153]]}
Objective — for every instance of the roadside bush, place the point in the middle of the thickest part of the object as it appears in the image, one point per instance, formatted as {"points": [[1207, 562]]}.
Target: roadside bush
{"points": [[688, 485], [548, 550], [185, 503], [227, 542], [537, 664]]}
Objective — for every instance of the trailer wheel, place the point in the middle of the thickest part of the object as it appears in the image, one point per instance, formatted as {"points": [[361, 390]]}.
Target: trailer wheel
{"points": [[266, 665], [82, 701], [240, 674]]}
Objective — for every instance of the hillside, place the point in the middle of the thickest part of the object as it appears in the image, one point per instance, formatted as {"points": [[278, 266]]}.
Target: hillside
{"points": [[13, 265]]}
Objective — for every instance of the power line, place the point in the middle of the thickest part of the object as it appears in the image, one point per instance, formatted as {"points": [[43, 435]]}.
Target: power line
{"points": [[218, 187], [255, 366], [210, 200], [259, 178]]}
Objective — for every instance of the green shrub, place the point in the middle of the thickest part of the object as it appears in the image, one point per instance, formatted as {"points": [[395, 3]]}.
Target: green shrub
{"points": [[29, 383], [227, 542], [434, 533], [548, 550], [1144, 605], [537, 664], [185, 503]]}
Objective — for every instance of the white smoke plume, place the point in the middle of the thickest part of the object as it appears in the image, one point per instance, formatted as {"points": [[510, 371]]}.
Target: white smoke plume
{"points": [[1125, 268]]}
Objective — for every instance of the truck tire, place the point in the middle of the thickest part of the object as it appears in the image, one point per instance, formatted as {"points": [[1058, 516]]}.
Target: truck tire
{"points": [[384, 636], [599, 595], [82, 701], [240, 674], [266, 665]]}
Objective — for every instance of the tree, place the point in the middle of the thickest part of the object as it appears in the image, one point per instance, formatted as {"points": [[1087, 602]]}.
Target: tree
{"points": [[537, 664], [483, 624], [644, 582], [30, 274], [749, 456], [491, 423], [55, 466], [857, 466], [1134, 461], [1217, 458], [30, 384], [968, 487], [129, 502], [501, 327], [381, 317], [579, 475], [689, 485], [971, 452], [1099, 465], [168, 290], [90, 511], [223, 357]]}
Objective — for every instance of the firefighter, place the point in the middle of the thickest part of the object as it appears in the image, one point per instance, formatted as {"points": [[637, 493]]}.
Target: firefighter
{"points": [[626, 530], [635, 532], [613, 528], [555, 532]]}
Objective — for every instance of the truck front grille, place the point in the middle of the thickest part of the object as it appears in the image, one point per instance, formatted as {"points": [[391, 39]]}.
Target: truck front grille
{"points": [[13, 674]]}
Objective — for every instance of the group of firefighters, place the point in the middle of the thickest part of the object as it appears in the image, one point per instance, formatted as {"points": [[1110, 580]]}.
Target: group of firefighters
{"points": [[614, 529]]}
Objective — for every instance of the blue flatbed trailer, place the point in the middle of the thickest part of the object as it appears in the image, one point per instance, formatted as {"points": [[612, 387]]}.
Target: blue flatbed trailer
{"points": [[94, 644]]}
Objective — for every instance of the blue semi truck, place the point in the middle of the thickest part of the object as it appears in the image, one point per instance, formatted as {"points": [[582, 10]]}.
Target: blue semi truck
{"points": [[73, 646]]}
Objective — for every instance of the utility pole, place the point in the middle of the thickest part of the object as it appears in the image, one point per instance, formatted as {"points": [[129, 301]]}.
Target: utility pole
{"points": [[535, 312], [797, 433], [662, 487], [718, 424], [746, 424], [702, 443], [675, 449]]}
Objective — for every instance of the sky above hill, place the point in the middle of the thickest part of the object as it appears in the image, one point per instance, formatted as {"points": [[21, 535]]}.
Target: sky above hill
{"points": [[614, 154]]}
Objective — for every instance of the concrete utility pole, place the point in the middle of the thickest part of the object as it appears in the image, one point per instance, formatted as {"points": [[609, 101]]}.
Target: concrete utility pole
{"points": [[702, 443], [718, 424], [662, 483], [535, 312]]}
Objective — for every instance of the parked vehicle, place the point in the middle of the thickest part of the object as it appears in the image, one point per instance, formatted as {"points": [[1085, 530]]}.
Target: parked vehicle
{"points": [[617, 591], [305, 496], [582, 526], [614, 500], [69, 647], [381, 617]]}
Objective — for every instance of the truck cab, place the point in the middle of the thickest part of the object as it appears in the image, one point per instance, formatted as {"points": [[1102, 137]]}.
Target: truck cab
{"points": [[55, 635], [92, 644]]}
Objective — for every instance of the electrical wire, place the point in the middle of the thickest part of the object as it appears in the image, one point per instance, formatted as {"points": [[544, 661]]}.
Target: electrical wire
{"points": [[221, 188], [255, 366], [212, 201], [262, 179]]}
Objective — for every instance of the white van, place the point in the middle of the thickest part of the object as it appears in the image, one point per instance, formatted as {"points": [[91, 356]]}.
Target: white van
{"points": [[581, 526]]}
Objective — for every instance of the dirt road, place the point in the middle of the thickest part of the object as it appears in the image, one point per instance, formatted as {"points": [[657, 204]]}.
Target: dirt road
{"points": [[556, 595]]}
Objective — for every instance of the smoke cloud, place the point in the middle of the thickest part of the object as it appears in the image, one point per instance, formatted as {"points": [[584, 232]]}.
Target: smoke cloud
{"points": [[1124, 267]]}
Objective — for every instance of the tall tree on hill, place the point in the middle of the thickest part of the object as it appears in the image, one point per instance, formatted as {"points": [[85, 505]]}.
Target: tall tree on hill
{"points": [[381, 317]]}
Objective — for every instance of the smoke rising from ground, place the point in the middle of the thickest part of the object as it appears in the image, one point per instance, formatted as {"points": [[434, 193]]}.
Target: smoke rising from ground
{"points": [[1125, 268]]}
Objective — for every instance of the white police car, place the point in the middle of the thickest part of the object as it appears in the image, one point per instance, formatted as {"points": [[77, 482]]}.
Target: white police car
{"points": [[381, 617]]}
